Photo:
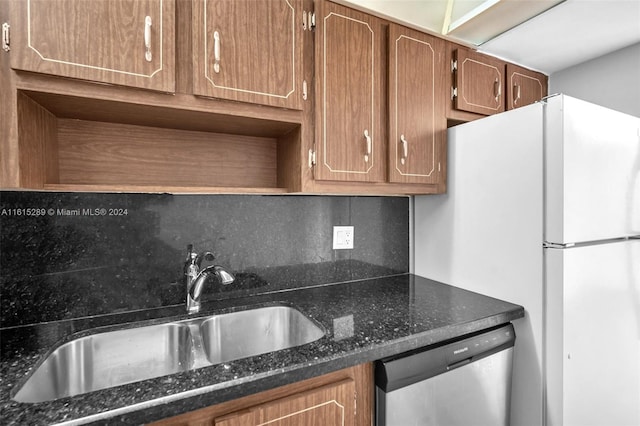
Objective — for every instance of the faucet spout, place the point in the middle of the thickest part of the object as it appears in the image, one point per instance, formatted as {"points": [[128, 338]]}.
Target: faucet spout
{"points": [[196, 277], [223, 275]]}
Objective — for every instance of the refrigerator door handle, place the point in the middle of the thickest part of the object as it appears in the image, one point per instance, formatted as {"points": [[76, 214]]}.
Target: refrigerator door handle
{"points": [[547, 244]]}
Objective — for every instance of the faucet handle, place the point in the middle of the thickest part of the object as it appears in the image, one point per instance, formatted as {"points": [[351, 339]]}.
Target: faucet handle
{"points": [[207, 255], [194, 258]]}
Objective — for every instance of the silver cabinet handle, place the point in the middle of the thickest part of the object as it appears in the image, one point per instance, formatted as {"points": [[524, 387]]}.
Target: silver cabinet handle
{"points": [[497, 89], [405, 149], [216, 52], [516, 91], [369, 145], [147, 38]]}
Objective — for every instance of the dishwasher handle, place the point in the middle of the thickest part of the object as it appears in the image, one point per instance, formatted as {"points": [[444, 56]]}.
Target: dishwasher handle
{"points": [[459, 364], [406, 369]]}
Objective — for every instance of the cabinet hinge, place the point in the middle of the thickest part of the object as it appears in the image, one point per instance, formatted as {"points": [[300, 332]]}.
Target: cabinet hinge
{"points": [[304, 90], [312, 158], [6, 39], [454, 92], [308, 21], [454, 65]]}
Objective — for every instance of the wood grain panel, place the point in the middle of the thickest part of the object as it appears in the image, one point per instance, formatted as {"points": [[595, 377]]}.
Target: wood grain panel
{"points": [[234, 111], [416, 106], [116, 154], [154, 189], [356, 382], [260, 51], [184, 51], [233, 119], [330, 405], [38, 144], [289, 161], [350, 75], [308, 128], [371, 188], [480, 82], [9, 160], [99, 40], [524, 86]]}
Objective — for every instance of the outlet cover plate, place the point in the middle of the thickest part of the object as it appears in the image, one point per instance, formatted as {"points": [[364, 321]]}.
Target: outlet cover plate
{"points": [[342, 237]]}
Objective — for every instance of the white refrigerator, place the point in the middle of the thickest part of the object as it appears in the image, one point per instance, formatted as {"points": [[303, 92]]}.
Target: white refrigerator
{"points": [[543, 210]]}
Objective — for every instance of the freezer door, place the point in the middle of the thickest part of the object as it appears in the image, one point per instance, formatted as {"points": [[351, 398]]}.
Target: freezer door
{"points": [[592, 172], [593, 335]]}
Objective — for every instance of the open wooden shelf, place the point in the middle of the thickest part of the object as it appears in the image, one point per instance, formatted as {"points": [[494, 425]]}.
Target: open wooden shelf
{"points": [[76, 142]]}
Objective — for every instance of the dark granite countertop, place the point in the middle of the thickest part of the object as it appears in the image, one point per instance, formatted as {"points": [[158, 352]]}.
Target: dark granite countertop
{"points": [[364, 320]]}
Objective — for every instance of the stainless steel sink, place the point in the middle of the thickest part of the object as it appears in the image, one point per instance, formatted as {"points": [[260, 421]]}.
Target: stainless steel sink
{"points": [[114, 358], [253, 332], [109, 359]]}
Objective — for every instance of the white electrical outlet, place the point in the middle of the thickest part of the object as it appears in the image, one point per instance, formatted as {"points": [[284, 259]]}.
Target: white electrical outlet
{"points": [[342, 237]]}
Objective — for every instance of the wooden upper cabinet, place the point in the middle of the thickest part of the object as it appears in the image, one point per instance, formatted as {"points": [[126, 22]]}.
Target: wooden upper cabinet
{"points": [[524, 86], [349, 83], [247, 50], [125, 42], [417, 123], [331, 405], [478, 82]]}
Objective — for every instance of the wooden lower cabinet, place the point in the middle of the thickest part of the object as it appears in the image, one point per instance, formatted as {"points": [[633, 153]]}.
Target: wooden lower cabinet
{"points": [[342, 398], [330, 405]]}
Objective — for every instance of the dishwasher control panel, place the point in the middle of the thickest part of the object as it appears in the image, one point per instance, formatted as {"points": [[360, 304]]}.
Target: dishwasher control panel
{"points": [[402, 370]]}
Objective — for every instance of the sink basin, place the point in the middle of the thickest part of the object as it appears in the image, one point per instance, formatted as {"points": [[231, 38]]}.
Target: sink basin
{"points": [[114, 358], [257, 331], [109, 359]]}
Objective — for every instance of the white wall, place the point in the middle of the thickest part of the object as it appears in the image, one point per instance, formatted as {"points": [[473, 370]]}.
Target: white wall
{"points": [[611, 80]]}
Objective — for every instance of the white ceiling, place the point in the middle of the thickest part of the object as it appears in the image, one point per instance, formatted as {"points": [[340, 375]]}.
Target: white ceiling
{"points": [[571, 33]]}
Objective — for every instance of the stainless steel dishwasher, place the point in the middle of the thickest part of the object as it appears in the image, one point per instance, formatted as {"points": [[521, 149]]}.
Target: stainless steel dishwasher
{"points": [[466, 382]]}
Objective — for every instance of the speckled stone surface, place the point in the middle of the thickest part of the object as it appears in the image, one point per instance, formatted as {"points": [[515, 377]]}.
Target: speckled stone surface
{"points": [[364, 320], [74, 264], [72, 255]]}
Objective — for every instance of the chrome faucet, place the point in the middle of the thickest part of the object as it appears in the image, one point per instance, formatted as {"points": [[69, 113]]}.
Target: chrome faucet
{"points": [[196, 277]]}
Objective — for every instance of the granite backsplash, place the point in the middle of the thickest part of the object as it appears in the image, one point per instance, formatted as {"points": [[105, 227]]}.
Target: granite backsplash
{"points": [[74, 255]]}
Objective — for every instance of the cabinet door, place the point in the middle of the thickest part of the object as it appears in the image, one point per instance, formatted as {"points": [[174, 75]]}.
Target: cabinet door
{"points": [[524, 86], [126, 42], [417, 123], [350, 79], [247, 50], [331, 405], [479, 82]]}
